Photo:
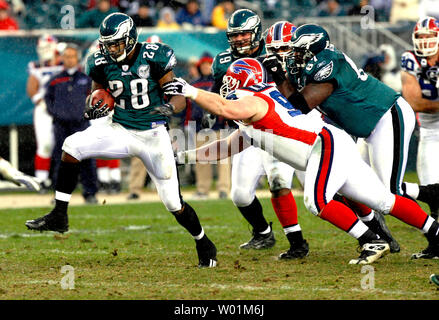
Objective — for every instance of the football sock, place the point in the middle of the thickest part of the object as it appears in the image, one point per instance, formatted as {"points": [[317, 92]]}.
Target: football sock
{"points": [[411, 190], [189, 220], [253, 214], [286, 209], [409, 212], [344, 218], [360, 209], [66, 183], [294, 235]]}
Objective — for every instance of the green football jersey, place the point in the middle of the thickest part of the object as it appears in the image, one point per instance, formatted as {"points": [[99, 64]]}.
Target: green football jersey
{"points": [[224, 59], [135, 87], [358, 101]]}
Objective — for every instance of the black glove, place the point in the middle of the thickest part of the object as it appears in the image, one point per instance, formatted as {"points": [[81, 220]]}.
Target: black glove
{"points": [[96, 111], [208, 120], [274, 67], [166, 109]]}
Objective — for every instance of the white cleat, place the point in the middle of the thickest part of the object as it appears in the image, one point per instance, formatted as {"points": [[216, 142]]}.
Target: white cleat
{"points": [[30, 182], [372, 252]]}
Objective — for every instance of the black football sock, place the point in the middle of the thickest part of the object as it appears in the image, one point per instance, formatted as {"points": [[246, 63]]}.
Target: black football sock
{"points": [[253, 214], [189, 220], [295, 237], [66, 183]]}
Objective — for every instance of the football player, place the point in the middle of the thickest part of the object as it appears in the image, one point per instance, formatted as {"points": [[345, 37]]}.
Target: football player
{"points": [[134, 73], [321, 75], [244, 33], [327, 154], [47, 66], [420, 87], [17, 177]]}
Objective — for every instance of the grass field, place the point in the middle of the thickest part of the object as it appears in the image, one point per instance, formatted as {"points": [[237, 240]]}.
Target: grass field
{"points": [[138, 251]]}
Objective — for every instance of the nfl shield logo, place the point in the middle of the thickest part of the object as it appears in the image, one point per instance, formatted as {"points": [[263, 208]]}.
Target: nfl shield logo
{"points": [[125, 67], [143, 71]]}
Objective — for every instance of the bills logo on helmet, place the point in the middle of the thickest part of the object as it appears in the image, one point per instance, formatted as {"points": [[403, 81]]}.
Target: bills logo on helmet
{"points": [[242, 66]]}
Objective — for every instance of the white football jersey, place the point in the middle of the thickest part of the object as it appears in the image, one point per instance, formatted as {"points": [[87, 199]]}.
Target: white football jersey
{"points": [[428, 78], [43, 74], [284, 131]]}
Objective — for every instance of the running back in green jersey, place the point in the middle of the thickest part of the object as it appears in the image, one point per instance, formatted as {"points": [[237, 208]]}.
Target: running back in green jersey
{"points": [[135, 87], [224, 59], [358, 101]]}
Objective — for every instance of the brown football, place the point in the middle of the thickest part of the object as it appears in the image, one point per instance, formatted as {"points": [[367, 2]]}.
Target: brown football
{"points": [[105, 96]]}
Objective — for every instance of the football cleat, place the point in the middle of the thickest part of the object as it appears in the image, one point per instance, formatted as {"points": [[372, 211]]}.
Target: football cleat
{"points": [[31, 183], [260, 241], [431, 252], [384, 233], [434, 278], [50, 222], [206, 254], [371, 252], [296, 251]]}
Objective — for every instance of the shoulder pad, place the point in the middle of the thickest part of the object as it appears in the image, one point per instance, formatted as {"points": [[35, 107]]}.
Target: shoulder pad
{"points": [[410, 62]]}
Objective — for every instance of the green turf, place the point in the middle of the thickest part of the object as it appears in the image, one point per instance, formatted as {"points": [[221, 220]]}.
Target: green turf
{"points": [[138, 251]]}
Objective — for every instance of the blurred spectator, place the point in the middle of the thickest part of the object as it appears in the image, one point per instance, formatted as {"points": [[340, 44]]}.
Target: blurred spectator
{"points": [[143, 16], [429, 8], [221, 13], [93, 18], [356, 8], [330, 8], [382, 9], [18, 8], [6, 22], [203, 171], [65, 100], [193, 69], [190, 14], [93, 3], [206, 7], [404, 10], [167, 19], [136, 178], [383, 66]]}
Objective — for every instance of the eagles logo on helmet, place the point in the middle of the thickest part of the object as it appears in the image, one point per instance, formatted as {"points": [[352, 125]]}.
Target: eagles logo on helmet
{"points": [[244, 72], [425, 37], [244, 21], [118, 36]]}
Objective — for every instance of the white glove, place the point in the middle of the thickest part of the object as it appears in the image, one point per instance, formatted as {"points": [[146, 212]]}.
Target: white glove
{"points": [[179, 87]]}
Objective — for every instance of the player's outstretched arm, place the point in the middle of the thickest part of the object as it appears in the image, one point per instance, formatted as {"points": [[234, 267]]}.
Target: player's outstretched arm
{"points": [[216, 150]]}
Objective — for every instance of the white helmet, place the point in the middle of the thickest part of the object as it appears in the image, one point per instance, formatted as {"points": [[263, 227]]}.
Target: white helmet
{"points": [[46, 47]]}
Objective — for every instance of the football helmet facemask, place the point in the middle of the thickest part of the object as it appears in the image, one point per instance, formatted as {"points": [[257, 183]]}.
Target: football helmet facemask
{"points": [[278, 40], [425, 37], [118, 36], [244, 72], [46, 48], [244, 21]]}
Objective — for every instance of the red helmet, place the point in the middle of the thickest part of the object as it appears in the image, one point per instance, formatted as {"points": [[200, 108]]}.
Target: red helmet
{"points": [[426, 46], [153, 39], [244, 72], [278, 39]]}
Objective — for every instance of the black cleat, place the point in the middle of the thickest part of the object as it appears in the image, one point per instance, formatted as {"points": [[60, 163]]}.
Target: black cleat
{"points": [[206, 254], [431, 252], [50, 222], [260, 241], [296, 251], [384, 233]]}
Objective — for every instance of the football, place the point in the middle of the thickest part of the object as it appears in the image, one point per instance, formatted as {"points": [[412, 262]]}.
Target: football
{"points": [[105, 96]]}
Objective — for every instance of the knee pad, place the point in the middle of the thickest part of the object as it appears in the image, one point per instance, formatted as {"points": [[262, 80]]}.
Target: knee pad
{"points": [[241, 197], [385, 203], [310, 205]]}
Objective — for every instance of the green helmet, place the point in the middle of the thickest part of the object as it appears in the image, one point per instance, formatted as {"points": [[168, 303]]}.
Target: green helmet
{"points": [[117, 28], [243, 21], [307, 41]]}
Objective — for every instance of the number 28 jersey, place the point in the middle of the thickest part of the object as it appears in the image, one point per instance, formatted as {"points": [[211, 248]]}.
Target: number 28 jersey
{"points": [[284, 130], [135, 86], [428, 80]]}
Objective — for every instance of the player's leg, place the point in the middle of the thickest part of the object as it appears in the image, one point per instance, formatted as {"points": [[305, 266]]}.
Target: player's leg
{"points": [[247, 169], [328, 169], [43, 126], [155, 150], [111, 141], [280, 178]]}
